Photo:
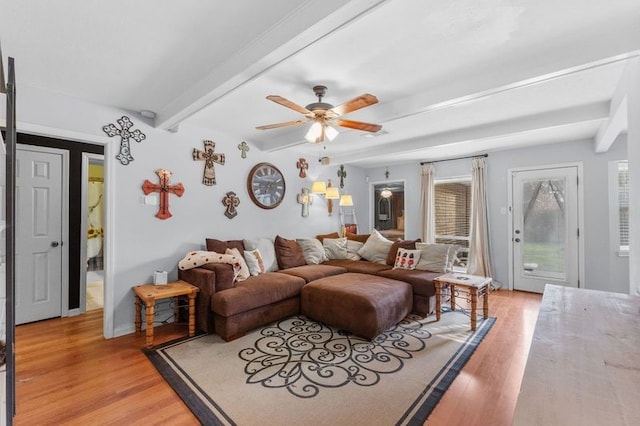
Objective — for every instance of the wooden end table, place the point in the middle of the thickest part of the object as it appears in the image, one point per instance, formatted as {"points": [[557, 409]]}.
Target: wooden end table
{"points": [[150, 293], [474, 285]]}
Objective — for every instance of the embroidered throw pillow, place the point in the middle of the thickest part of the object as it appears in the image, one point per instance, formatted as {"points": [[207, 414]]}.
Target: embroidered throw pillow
{"points": [[254, 262], [406, 259]]}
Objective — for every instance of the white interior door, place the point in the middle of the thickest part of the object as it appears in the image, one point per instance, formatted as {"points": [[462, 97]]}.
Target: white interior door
{"points": [[38, 235], [545, 228]]}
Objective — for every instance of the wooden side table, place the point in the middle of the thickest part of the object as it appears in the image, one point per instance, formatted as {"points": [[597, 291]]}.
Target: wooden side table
{"points": [[473, 284], [150, 293]]}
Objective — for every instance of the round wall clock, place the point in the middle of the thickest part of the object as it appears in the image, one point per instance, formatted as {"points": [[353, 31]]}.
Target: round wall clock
{"points": [[266, 185]]}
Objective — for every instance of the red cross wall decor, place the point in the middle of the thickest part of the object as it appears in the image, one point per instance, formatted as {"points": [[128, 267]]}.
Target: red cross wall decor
{"points": [[164, 189], [303, 166]]}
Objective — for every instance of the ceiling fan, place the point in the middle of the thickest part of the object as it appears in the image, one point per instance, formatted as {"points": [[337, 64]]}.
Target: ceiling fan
{"points": [[324, 115]]}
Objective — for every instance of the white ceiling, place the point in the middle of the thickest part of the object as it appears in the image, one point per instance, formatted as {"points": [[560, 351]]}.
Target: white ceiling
{"points": [[452, 77]]}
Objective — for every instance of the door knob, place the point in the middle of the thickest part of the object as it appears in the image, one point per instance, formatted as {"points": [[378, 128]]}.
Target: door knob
{"points": [[517, 240], [54, 244]]}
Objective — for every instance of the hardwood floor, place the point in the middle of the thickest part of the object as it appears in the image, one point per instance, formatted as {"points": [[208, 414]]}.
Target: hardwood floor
{"points": [[68, 374]]}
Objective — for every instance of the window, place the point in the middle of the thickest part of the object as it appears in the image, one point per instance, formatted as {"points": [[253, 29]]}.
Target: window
{"points": [[623, 205], [453, 210]]}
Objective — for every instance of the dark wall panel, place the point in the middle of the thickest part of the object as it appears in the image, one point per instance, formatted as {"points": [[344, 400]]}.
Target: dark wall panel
{"points": [[77, 235]]}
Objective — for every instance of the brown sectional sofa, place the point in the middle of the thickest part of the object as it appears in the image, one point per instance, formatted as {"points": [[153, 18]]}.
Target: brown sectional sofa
{"points": [[232, 310]]}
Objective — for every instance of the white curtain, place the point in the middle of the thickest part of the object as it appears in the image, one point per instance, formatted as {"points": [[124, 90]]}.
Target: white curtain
{"points": [[479, 253], [427, 204]]}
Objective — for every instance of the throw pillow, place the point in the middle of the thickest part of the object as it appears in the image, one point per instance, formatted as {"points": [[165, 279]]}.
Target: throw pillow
{"points": [[436, 257], [244, 269], [352, 249], [288, 253], [254, 262], [376, 248], [407, 259], [312, 251], [362, 238], [335, 248], [267, 250], [321, 237], [220, 246], [405, 244]]}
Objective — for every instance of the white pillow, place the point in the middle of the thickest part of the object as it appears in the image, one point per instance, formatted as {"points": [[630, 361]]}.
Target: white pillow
{"points": [[312, 250], [335, 248], [436, 257], [376, 248], [406, 259], [267, 250], [254, 262], [352, 249], [244, 269]]}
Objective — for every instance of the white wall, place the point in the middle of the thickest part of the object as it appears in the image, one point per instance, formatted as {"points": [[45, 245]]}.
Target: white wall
{"points": [[141, 243], [601, 270]]}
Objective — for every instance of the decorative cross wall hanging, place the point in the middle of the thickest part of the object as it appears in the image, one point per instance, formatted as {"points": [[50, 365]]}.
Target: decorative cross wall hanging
{"points": [[303, 166], [305, 199], [164, 189], [231, 201], [124, 156], [242, 146], [342, 173], [209, 157]]}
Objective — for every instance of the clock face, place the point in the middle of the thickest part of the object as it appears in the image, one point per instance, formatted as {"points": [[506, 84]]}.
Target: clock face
{"points": [[266, 185]]}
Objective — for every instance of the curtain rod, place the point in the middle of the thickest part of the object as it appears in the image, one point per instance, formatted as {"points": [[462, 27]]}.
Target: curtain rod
{"points": [[457, 158]]}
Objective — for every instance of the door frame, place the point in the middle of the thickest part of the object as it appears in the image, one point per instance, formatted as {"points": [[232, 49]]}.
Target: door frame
{"points": [[64, 302], [87, 158], [580, 206]]}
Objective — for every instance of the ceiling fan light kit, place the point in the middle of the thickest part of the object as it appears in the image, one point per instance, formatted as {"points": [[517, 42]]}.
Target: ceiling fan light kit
{"points": [[324, 116]]}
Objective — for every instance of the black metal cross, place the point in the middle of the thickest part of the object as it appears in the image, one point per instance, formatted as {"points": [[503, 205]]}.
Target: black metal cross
{"points": [[124, 156]]}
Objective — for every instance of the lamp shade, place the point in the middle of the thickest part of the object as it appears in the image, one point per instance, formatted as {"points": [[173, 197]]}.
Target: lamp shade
{"points": [[346, 201], [315, 133], [319, 187], [330, 132], [332, 193]]}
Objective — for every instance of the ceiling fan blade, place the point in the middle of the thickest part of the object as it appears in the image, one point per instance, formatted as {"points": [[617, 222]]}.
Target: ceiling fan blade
{"points": [[359, 125], [354, 104], [287, 103], [278, 125]]}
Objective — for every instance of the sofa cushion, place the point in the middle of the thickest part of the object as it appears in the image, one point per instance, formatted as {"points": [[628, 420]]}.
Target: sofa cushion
{"points": [[313, 272], [312, 251], [436, 257], [393, 251], [256, 292], [361, 266], [352, 249], [376, 248], [361, 238], [288, 253], [331, 235], [335, 248], [421, 281], [268, 252], [220, 246]]}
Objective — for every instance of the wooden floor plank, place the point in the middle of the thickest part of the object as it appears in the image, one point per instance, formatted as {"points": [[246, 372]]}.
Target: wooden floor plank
{"points": [[68, 374]]}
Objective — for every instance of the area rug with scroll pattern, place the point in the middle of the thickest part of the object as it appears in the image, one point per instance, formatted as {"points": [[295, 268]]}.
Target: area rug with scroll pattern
{"points": [[298, 371]]}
